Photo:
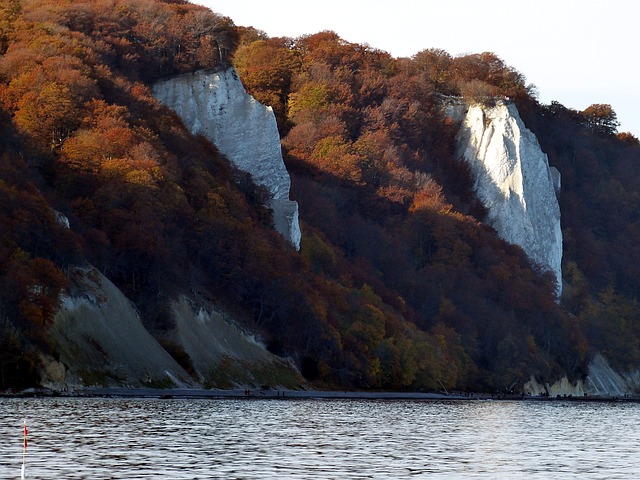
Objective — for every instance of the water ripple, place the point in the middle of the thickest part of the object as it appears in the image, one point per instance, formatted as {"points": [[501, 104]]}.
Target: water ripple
{"points": [[307, 439]]}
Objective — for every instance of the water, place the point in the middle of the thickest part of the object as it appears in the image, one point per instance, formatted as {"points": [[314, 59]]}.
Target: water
{"points": [[101, 438]]}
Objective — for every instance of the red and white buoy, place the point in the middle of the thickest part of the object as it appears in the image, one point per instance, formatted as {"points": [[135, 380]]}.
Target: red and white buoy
{"points": [[24, 450]]}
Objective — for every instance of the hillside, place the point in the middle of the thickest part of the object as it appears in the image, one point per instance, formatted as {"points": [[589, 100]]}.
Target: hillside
{"points": [[398, 283]]}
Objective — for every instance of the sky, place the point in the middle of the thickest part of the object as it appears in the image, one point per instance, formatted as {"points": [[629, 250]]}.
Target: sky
{"points": [[576, 52]]}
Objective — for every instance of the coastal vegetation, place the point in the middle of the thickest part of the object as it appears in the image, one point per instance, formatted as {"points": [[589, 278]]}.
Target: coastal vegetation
{"points": [[398, 283]]}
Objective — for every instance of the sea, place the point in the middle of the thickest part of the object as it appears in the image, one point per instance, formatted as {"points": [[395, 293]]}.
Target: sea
{"points": [[144, 438]]}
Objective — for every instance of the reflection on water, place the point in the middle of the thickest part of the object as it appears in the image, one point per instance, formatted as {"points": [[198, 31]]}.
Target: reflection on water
{"points": [[314, 439]]}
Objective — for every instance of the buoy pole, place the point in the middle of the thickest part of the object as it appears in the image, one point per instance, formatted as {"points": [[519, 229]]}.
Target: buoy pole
{"points": [[24, 450]]}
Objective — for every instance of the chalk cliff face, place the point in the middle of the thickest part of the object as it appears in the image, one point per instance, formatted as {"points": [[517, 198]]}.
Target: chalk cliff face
{"points": [[602, 380], [101, 341], [513, 180], [216, 105], [222, 353]]}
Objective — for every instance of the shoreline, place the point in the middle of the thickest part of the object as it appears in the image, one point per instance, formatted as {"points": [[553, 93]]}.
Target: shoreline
{"points": [[256, 394]]}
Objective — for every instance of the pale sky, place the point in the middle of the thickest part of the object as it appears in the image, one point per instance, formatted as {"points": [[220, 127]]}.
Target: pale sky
{"points": [[577, 52]]}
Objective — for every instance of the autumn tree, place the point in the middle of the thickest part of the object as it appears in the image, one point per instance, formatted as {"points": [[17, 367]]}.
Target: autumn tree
{"points": [[601, 118], [8, 13], [434, 65], [487, 68], [267, 68]]}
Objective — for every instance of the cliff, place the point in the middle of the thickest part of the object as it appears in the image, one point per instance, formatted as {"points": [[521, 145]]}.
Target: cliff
{"points": [[216, 105], [513, 180], [222, 353], [602, 380], [101, 341]]}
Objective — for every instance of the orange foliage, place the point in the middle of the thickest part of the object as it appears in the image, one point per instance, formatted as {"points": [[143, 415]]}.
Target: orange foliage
{"points": [[395, 286]]}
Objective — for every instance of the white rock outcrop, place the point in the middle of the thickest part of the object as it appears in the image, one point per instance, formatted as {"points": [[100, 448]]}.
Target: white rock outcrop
{"points": [[602, 380], [513, 180], [100, 339], [216, 105], [222, 352]]}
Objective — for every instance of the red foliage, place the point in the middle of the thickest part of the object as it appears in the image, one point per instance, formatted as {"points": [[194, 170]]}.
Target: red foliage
{"points": [[395, 286]]}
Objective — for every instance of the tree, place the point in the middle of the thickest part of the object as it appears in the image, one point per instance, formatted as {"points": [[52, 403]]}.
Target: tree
{"points": [[18, 363], [267, 68], [488, 68], [601, 118], [435, 64], [8, 13], [629, 138]]}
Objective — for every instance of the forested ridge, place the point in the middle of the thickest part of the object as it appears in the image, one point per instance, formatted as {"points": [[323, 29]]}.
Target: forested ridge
{"points": [[398, 283]]}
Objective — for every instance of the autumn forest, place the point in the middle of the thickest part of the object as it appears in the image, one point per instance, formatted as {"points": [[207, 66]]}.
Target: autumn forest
{"points": [[398, 283]]}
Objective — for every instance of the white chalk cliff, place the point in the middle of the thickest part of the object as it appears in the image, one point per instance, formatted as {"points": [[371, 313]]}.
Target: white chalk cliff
{"points": [[513, 180], [601, 380], [100, 340], [216, 105]]}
